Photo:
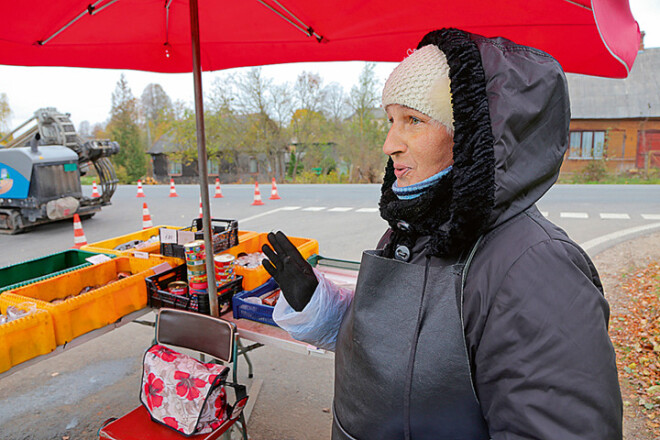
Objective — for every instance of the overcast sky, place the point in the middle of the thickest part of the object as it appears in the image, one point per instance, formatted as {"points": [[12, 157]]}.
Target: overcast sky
{"points": [[86, 93]]}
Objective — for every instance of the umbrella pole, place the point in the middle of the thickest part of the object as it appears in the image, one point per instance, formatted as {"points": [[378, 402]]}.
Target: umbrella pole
{"points": [[201, 157]]}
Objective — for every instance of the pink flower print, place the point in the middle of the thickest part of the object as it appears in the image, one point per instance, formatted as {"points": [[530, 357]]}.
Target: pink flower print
{"points": [[188, 386], [220, 405], [164, 353], [171, 421], [152, 389]]}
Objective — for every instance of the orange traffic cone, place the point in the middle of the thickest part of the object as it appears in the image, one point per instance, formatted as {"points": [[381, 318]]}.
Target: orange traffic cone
{"points": [[95, 190], [173, 189], [146, 217], [79, 239], [218, 191], [257, 195], [273, 191], [201, 212], [140, 192]]}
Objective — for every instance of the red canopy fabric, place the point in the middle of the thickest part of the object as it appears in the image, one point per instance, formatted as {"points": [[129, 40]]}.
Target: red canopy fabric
{"points": [[597, 37]]}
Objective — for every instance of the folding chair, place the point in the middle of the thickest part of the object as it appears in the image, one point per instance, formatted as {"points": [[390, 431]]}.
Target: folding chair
{"points": [[205, 335]]}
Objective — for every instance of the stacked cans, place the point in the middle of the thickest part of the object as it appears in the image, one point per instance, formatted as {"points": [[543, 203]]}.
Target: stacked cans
{"points": [[224, 269], [197, 278], [194, 252]]}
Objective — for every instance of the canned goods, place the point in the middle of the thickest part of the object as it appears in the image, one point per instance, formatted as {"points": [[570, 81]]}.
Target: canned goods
{"points": [[178, 288], [195, 262], [197, 271], [197, 278], [224, 268], [193, 247]]}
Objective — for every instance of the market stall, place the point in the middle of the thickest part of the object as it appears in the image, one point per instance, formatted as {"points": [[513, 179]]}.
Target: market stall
{"points": [[78, 295]]}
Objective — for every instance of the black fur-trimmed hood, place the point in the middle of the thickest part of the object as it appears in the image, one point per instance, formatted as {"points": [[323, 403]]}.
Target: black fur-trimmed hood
{"points": [[511, 116]]}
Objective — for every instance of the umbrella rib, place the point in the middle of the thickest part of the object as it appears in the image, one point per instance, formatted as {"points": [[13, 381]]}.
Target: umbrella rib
{"points": [[578, 4], [90, 9], [304, 28]]}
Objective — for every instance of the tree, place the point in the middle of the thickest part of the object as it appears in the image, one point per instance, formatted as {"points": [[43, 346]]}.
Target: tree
{"points": [[308, 91], [336, 105], [156, 111], [123, 129], [5, 113], [365, 133]]}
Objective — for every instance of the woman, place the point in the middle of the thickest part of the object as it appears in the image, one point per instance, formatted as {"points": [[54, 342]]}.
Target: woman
{"points": [[476, 317]]}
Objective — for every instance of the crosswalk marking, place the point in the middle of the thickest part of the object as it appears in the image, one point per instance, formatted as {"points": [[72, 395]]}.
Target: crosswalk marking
{"points": [[573, 215], [614, 216], [567, 215]]}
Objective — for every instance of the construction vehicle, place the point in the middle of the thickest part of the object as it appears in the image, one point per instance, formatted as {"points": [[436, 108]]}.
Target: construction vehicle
{"points": [[40, 171]]}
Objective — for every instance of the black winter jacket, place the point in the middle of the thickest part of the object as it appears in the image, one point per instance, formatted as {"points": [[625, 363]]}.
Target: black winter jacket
{"points": [[535, 317]]}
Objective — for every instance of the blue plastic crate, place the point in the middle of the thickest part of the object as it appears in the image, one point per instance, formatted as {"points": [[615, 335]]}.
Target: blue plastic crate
{"points": [[254, 312]]}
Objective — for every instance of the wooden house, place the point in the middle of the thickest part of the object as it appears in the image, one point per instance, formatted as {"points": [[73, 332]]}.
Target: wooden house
{"points": [[616, 120]]}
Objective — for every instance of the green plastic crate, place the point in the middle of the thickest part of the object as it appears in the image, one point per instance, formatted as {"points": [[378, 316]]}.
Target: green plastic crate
{"points": [[32, 271]]}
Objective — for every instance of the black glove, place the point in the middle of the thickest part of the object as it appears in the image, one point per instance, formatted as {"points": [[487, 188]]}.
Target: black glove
{"points": [[294, 275]]}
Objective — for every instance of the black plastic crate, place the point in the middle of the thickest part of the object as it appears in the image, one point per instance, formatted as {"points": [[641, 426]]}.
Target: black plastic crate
{"points": [[159, 297], [225, 235]]}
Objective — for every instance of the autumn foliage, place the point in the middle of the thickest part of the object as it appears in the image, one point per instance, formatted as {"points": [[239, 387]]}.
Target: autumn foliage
{"points": [[635, 334]]}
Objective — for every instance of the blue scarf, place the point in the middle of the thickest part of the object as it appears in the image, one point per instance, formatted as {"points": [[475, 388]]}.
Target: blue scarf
{"points": [[417, 189]]}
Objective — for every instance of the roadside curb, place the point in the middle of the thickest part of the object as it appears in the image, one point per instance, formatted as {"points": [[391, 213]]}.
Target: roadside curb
{"points": [[597, 245]]}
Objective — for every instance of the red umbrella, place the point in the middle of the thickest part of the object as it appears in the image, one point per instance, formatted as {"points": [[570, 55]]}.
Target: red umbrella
{"points": [[596, 37]]}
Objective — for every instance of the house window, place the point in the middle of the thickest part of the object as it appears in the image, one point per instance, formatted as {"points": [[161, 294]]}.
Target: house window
{"points": [[587, 145], [253, 165], [213, 167], [174, 168]]}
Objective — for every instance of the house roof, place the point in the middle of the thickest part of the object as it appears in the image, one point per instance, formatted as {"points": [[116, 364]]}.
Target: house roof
{"points": [[165, 144], [637, 96]]}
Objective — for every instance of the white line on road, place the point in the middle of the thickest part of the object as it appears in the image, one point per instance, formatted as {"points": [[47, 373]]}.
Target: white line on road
{"points": [[314, 208], [614, 216], [339, 209], [616, 235], [367, 210], [290, 208], [544, 213], [651, 216], [272, 211], [573, 215]]}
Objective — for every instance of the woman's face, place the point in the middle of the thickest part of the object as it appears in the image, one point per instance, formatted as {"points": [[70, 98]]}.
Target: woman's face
{"points": [[418, 146]]}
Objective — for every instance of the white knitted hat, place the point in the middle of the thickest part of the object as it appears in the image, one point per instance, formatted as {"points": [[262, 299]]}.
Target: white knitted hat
{"points": [[421, 82]]}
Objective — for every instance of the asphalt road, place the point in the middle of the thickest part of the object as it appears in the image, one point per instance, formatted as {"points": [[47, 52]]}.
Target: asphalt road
{"points": [[71, 394]]}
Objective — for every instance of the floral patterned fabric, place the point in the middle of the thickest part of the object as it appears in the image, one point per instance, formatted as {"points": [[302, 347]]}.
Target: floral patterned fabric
{"points": [[183, 393]]}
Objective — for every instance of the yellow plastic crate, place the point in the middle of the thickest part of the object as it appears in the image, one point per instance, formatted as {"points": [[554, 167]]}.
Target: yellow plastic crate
{"points": [[91, 310], [255, 277], [109, 245], [24, 338]]}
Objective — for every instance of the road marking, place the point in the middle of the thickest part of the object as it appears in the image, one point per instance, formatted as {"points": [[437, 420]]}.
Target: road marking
{"points": [[314, 208], [339, 209], [290, 208], [573, 215], [614, 216], [272, 211], [651, 216], [544, 213], [588, 245], [367, 210]]}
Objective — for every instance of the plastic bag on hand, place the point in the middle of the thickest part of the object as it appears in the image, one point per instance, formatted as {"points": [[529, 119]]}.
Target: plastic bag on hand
{"points": [[318, 323]]}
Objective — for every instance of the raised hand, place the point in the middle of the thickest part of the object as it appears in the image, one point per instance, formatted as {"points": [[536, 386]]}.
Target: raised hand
{"points": [[288, 267]]}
